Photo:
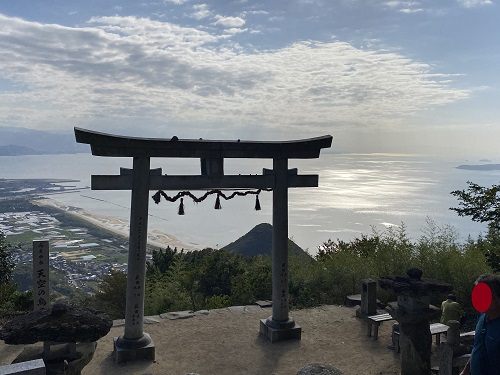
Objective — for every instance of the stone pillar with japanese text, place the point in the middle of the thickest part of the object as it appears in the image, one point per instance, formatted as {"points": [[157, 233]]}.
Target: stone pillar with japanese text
{"points": [[135, 343], [41, 299], [280, 326]]}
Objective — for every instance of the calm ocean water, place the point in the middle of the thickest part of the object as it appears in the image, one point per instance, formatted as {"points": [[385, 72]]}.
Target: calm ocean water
{"points": [[356, 192]]}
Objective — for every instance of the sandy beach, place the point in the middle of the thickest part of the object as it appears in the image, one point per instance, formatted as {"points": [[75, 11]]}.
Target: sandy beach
{"points": [[116, 225], [227, 341]]}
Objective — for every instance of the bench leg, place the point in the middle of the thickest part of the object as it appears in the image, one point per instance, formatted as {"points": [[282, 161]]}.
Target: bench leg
{"points": [[395, 341], [369, 329], [438, 339], [375, 331]]}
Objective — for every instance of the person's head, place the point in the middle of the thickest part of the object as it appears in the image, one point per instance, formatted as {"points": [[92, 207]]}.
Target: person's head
{"points": [[493, 282], [452, 297]]}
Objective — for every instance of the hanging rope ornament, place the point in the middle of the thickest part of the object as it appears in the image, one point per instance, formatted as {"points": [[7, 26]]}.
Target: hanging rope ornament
{"points": [[182, 194], [181, 207], [217, 203]]}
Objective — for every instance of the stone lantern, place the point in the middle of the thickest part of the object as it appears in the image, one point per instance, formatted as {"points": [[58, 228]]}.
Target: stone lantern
{"points": [[414, 313]]}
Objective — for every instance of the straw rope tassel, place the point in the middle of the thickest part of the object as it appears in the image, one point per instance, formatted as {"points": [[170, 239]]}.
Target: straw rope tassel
{"points": [[217, 203], [257, 203], [181, 207]]}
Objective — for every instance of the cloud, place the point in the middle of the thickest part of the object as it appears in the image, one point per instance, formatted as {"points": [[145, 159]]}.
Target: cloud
{"points": [[410, 10], [235, 30], [126, 69], [396, 3], [254, 12], [176, 2], [201, 11], [230, 22], [474, 3], [405, 6], [276, 19]]}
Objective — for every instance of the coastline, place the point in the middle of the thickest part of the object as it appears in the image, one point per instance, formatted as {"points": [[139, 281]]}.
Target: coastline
{"points": [[115, 225]]}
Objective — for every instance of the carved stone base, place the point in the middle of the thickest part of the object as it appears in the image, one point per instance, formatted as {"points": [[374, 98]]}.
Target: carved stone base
{"points": [[131, 350], [289, 331]]}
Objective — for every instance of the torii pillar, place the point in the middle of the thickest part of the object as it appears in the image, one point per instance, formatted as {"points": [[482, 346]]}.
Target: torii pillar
{"points": [[135, 343], [280, 326]]}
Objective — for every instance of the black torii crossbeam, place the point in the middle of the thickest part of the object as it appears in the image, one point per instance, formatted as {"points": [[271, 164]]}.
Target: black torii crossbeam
{"points": [[135, 343]]}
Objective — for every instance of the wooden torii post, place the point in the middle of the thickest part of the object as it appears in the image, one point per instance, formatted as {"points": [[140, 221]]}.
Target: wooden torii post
{"points": [[135, 343]]}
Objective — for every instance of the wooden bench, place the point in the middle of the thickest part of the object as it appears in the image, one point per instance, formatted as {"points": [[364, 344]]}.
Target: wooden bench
{"points": [[34, 367], [375, 321], [466, 334], [437, 329]]}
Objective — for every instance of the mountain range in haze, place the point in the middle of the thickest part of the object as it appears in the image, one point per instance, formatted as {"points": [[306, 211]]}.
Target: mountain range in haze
{"points": [[22, 141]]}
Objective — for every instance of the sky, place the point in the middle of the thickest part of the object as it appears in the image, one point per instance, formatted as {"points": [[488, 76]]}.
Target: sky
{"points": [[379, 76]]}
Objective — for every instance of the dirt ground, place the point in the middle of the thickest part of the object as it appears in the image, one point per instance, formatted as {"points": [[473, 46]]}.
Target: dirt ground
{"points": [[227, 341]]}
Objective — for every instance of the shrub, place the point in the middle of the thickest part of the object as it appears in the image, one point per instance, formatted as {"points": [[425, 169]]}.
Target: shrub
{"points": [[164, 296], [217, 302]]}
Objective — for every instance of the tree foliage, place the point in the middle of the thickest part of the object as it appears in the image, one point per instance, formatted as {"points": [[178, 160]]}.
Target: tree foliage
{"points": [[211, 278], [437, 252], [111, 295], [483, 205], [6, 263], [162, 260], [10, 298]]}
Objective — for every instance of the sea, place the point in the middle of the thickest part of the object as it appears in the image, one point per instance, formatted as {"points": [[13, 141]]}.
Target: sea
{"points": [[357, 194]]}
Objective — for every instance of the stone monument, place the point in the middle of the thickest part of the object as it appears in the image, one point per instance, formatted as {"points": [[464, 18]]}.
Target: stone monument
{"points": [[413, 313], [41, 291], [369, 297]]}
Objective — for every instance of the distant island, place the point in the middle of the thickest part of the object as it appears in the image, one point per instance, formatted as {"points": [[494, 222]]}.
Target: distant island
{"points": [[480, 167]]}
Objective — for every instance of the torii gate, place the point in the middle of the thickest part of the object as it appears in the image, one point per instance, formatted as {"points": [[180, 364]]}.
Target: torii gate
{"points": [[135, 343]]}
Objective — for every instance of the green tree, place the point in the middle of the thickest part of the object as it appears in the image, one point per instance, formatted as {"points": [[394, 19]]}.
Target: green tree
{"points": [[166, 294], [483, 205], [254, 283], [490, 247], [217, 269], [10, 298], [6, 263], [7, 289], [111, 295], [162, 260]]}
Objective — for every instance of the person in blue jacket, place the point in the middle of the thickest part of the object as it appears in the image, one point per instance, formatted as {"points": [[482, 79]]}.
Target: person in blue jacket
{"points": [[485, 356]]}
